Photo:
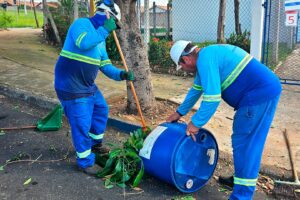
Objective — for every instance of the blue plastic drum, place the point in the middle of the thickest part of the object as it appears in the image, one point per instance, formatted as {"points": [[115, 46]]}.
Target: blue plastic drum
{"points": [[169, 155]]}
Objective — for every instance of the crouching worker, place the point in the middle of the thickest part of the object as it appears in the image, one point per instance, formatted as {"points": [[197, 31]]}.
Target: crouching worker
{"points": [[83, 55], [230, 73]]}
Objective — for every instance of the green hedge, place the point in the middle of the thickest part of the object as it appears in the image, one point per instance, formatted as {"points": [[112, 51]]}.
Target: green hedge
{"points": [[159, 52]]}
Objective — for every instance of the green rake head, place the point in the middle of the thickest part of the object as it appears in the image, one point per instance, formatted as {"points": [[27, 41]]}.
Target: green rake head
{"points": [[52, 122]]}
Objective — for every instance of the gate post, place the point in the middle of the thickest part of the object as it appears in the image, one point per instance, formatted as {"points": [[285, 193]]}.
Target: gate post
{"points": [[275, 38], [257, 23]]}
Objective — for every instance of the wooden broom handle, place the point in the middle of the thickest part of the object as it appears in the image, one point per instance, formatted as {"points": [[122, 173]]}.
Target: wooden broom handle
{"points": [[294, 169], [17, 128], [130, 82]]}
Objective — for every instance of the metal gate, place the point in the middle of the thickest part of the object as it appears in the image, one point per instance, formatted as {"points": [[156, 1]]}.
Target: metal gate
{"points": [[281, 51]]}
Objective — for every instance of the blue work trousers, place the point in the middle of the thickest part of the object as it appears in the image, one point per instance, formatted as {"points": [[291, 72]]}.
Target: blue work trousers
{"points": [[87, 117], [250, 129]]}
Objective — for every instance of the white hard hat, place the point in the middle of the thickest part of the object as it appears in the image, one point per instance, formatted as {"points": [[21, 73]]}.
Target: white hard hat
{"points": [[177, 50], [114, 10]]}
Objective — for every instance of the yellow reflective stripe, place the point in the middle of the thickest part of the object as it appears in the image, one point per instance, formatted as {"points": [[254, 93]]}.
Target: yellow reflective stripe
{"points": [[197, 87], [80, 58], [105, 62], [80, 37], [96, 137], [234, 74], [83, 154], [212, 98], [245, 182]]}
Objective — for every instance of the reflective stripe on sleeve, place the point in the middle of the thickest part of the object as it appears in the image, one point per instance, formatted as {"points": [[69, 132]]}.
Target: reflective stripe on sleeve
{"points": [[79, 39], [197, 87], [212, 98], [105, 62]]}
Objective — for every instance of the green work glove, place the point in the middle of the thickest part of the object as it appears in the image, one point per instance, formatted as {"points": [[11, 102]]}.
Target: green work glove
{"points": [[129, 76], [110, 25]]}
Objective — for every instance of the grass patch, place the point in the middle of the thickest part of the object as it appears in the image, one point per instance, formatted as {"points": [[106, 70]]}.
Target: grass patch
{"points": [[21, 20]]}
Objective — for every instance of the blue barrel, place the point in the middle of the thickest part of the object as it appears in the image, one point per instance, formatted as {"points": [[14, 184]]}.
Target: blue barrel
{"points": [[169, 155]]}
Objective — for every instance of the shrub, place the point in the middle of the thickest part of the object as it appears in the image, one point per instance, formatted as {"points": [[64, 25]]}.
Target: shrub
{"points": [[159, 52], [112, 49], [5, 20], [240, 40]]}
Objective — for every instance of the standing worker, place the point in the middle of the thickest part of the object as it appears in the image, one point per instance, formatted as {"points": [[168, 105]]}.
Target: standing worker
{"points": [[230, 73], [83, 54]]}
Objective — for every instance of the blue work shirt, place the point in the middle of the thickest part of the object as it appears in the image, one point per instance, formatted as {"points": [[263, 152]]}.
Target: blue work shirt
{"points": [[228, 72], [83, 55]]}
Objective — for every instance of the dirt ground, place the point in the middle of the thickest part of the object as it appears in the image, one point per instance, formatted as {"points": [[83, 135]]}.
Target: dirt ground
{"points": [[48, 160]]}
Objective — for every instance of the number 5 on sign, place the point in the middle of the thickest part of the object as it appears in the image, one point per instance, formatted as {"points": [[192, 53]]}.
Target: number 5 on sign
{"points": [[291, 18]]}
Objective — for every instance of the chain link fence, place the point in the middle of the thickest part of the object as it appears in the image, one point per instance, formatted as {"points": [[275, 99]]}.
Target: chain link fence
{"points": [[160, 19], [193, 20], [197, 21], [280, 49]]}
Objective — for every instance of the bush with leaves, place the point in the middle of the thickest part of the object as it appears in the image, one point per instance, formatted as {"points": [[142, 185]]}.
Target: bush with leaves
{"points": [[159, 52], [112, 49], [123, 164], [5, 20], [63, 18], [240, 40]]}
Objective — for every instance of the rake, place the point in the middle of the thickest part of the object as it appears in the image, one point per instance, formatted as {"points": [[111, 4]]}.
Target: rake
{"points": [[288, 189], [51, 122]]}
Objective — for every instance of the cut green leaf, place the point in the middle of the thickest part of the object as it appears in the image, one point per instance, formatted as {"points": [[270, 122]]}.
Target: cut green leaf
{"points": [[27, 182]]}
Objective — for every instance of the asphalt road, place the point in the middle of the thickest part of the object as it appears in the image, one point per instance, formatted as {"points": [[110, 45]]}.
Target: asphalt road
{"points": [[53, 177]]}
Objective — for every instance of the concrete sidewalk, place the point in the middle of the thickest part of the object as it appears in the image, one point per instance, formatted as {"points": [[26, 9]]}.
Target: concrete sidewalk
{"points": [[34, 77]]}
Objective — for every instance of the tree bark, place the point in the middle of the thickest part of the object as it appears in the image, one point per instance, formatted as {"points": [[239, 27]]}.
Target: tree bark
{"points": [[221, 22], [136, 57], [35, 17], [49, 15], [237, 17], [75, 7]]}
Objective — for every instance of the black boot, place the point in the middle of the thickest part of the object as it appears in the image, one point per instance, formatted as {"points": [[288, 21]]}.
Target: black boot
{"points": [[100, 149], [92, 170], [228, 181]]}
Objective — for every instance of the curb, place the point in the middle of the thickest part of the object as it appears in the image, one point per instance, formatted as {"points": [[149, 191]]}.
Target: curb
{"points": [[124, 126], [49, 103]]}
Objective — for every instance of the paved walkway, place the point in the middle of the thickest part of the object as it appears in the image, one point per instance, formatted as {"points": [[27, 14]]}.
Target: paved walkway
{"points": [[19, 71], [290, 68]]}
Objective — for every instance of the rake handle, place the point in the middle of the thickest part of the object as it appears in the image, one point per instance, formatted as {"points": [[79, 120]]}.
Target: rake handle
{"points": [[130, 82], [17, 128], [294, 169]]}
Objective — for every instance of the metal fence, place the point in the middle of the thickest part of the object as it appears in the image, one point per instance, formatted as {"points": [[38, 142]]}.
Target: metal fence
{"points": [[160, 19], [197, 21], [280, 49], [193, 20]]}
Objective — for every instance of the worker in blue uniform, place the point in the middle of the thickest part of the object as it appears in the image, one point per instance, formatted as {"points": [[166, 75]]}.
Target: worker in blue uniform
{"points": [[82, 56], [227, 72]]}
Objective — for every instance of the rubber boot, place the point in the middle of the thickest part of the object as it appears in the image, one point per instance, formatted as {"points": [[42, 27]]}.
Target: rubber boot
{"points": [[228, 181]]}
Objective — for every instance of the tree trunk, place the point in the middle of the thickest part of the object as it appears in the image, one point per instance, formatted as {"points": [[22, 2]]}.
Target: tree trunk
{"points": [[35, 17], [25, 7], [49, 15], [221, 22], [75, 7], [237, 17], [136, 57]]}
